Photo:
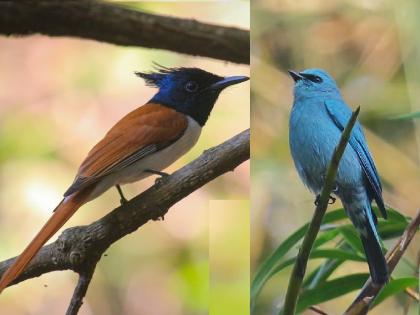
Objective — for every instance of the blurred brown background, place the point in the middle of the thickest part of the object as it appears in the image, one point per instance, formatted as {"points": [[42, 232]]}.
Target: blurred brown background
{"points": [[58, 97], [373, 50]]}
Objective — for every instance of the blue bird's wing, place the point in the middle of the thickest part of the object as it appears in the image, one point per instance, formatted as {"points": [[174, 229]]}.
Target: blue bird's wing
{"points": [[340, 114]]}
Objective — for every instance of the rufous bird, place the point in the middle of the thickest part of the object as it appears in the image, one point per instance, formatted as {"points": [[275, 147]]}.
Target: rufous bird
{"points": [[142, 143]]}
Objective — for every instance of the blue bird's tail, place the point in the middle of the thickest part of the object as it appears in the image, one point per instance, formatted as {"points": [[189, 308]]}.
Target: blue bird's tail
{"points": [[374, 256]]}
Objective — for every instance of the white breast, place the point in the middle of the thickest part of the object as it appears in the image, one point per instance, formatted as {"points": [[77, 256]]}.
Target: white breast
{"points": [[156, 161]]}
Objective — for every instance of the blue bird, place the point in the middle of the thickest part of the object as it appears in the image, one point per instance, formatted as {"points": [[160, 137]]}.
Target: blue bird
{"points": [[317, 119]]}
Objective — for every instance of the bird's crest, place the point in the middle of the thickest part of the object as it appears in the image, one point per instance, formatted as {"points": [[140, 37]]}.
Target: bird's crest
{"points": [[161, 73]]}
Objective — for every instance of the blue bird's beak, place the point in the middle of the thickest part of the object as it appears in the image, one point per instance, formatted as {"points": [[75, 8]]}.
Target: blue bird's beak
{"points": [[227, 81], [296, 76]]}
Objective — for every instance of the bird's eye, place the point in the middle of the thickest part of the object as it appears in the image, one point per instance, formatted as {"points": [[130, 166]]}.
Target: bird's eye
{"points": [[191, 86], [316, 79], [312, 77]]}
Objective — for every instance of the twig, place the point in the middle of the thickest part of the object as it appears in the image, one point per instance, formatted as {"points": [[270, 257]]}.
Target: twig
{"points": [[369, 291], [80, 291], [78, 247], [317, 310], [115, 24], [411, 293], [299, 268]]}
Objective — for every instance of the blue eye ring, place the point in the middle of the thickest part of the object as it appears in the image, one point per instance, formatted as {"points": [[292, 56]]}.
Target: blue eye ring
{"points": [[191, 86]]}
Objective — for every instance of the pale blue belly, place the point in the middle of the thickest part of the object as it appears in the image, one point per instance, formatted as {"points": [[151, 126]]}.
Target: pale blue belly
{"points": [[313, 137]]}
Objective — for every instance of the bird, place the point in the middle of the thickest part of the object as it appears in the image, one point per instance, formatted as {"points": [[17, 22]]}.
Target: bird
{"points": [[318, 116], [142, 143]]}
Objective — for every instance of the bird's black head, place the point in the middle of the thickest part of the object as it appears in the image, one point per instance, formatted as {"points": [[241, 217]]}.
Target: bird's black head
{"points": [[191, 91]]}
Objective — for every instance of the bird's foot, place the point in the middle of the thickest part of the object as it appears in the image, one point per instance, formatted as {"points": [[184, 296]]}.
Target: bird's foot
{"points": [[162, 175], [159, 218], [316, 202], [123, 200], [331, 200]]}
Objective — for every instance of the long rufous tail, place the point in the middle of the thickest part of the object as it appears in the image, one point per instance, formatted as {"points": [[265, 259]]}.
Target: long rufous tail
{"points": [[61, 215]]}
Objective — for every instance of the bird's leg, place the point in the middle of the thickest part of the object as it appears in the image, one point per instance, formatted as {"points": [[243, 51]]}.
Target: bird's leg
{"points": [[161, 174], [157, 182], [123, 200], [333, 199]]}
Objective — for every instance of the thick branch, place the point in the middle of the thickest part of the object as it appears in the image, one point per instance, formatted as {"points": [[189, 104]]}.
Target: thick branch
{"points": [[299, 268], [78, 247], [118, 25], [369, 291]]}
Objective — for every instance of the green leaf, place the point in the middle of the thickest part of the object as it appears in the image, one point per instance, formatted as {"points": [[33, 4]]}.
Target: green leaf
{"points": [[394, 215], [388, 230], [264, 271], [324, 271], [267, 267], [336, 254], [407, 116], [330, 290], [393, 287], [321, 273], [325, 237], [320, 253], [350, 235]]}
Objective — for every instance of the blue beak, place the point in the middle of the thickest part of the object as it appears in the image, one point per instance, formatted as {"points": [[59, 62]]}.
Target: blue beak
{"points": [[227, 81]]}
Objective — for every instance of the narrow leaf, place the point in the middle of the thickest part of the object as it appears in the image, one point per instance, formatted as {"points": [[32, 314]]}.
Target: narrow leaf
{"points": [[266, 268], [350, 236], [331, 290], [407, 116], [395, 286]]}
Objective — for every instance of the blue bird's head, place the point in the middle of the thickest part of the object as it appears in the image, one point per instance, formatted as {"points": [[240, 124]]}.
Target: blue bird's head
{"points": [[191, 91], [313, 83]]}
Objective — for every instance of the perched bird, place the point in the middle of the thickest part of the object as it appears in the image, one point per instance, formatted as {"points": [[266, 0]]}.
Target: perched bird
{"points": [[317, 119], [142, 143]]}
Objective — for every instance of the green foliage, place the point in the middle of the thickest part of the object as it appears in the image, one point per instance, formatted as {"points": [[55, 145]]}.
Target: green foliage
{"points": [[407, 116], [395, 286], [274, 262], [337, 243], [331, 289]]}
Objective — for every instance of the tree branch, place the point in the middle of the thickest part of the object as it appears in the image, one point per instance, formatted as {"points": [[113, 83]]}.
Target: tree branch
{"points": [[299, 268], [80, 248], [80, 290], [369, 291], [118, 25]]}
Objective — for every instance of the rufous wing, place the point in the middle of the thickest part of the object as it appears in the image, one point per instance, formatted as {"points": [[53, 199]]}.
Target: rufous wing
{"points": [[140, 133]]}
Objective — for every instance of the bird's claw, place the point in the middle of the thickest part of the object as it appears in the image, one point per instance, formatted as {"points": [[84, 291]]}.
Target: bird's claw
{"points": [[316, 202], [159, 218], [123, 201], [162, 176], [159, 180], [331, 200]]}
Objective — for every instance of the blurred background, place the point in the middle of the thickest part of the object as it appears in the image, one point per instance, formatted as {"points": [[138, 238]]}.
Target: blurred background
{"points": [[372, 48], [58, 97]]}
